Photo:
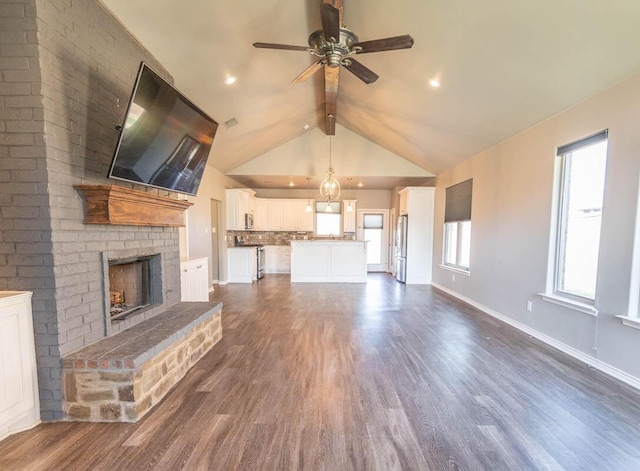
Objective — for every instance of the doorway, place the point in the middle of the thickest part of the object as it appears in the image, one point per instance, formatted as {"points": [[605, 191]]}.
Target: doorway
{"points": [[215, 241], [373, 227]]}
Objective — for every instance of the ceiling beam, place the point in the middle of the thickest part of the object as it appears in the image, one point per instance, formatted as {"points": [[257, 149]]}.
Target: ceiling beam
{"points": [[331, 76]]}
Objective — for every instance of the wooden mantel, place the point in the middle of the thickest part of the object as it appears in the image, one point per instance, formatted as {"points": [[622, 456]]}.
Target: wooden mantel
{"points": [[116, 205]]}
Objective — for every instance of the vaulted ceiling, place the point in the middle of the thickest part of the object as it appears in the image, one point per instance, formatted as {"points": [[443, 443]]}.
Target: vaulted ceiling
{"points": [[503, 66]]}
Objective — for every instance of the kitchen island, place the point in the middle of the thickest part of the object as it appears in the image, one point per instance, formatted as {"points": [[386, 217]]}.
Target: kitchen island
{"points": [[328, 261]]}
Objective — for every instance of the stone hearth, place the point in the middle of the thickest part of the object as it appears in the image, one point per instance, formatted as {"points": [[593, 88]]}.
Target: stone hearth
{"points": [[120, 378]]}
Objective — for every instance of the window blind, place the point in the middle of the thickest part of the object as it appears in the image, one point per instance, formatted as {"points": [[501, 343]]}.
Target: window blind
{"points": [[321, 207], [372, 221], [458, 202], [587, 141]]}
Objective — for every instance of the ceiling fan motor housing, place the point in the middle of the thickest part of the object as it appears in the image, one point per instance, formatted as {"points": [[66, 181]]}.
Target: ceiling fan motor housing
{"points": [[333, 52]]}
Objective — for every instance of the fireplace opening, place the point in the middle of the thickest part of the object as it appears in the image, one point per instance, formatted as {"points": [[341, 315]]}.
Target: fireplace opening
{"points": [[130, 286]]}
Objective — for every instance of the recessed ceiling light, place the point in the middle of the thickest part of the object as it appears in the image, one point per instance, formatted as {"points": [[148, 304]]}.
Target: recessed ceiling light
{"points": [[435, 83], [230, 80]]}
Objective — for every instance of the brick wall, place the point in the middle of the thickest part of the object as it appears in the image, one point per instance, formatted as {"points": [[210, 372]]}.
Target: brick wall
{"points": [[67, 71]]}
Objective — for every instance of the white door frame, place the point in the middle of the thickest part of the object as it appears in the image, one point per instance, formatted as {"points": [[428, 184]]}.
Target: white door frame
{"points": [[384, 266], [392, 241]]}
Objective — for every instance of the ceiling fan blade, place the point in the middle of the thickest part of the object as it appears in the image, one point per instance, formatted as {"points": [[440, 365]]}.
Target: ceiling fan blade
{"points": [[360, 71], [330, 16], [280, 46], [308, 72], [386, 44]]}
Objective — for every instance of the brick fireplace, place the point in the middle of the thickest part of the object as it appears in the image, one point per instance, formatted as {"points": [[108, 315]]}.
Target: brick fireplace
{"points": [[74, 65]]}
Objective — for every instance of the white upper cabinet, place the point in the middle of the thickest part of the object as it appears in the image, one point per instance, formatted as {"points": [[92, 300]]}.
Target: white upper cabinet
{"points": [[275, 215], [349, 224], [261, 218], [283, 215], [305, 219], [290, 208], [239, 203], [404, 207]]}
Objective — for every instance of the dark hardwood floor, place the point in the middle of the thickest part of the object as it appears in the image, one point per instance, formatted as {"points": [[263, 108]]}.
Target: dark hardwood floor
{"points": [[377, 376]]}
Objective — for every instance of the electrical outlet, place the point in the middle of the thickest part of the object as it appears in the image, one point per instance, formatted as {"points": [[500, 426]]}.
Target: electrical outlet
{"points": [[529, 306]]}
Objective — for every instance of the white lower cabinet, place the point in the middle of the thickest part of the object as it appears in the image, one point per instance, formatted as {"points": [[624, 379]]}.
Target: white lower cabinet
{"points": [[19, 402], [278, 259], [242, 264], [194, 280]]}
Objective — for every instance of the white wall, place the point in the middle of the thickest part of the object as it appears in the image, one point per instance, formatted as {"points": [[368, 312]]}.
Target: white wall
{"points": [[511, 224], [198, 230]]}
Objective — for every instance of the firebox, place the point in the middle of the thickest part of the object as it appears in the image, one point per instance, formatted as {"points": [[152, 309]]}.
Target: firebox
{"points": [[134, 285], [129, 286]]}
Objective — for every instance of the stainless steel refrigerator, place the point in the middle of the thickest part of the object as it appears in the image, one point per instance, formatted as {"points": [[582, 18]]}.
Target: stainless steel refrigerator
{"points": [[401, 249]]}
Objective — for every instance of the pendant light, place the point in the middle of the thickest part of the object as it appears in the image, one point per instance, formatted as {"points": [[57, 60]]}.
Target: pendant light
{"points": [[330, 187], [308, 209], [349, 208]]}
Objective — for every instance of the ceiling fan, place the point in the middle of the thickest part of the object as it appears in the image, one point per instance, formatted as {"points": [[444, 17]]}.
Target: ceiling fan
{"points": [[335, 46]]}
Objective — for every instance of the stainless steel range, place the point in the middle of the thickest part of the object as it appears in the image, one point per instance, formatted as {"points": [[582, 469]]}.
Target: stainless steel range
{"points": [[261, 260]]}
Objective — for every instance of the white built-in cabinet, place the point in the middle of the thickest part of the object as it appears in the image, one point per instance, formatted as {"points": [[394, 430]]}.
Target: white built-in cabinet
{"points": [[275, 218], [278, 259], [194, 280], [269, 214], [19, 403], [283, 215], [240, 201], [261, 218], [242, 264], [349, 217], [419, 207], [403, 201]]}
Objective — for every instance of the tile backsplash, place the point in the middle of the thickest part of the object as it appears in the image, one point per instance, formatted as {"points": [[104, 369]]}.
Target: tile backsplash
{"points": [[279, 237]]}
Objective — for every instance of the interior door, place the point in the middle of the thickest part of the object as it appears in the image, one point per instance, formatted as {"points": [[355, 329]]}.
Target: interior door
{"points": [[373, 227], [215, 242]]}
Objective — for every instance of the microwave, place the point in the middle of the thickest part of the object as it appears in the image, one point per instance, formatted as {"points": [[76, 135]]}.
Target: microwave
{"points": [[248, 221]]}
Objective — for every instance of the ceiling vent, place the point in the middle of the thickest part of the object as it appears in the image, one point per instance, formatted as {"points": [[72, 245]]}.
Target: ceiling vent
{"points": [[230, 123]]}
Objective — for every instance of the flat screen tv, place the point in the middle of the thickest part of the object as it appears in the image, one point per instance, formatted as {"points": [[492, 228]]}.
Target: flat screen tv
{"points": [[165, 139]]}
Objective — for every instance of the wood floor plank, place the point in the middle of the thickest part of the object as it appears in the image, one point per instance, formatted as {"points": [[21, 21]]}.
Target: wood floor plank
{"points": [[375, 376]]}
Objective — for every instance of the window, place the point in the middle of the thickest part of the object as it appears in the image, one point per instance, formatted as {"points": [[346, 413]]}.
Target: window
{"points": [[328, 218], [457, 226], [581, 190]]}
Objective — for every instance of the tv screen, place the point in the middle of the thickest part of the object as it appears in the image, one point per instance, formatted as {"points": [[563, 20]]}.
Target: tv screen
{"points": [[165, 139]]}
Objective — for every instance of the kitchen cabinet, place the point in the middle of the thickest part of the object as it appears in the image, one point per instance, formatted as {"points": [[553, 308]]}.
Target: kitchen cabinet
{"points": [[19, 403], [240, 201], [330, 261], [242, 264], [275, 212], [349, 217], [283, 215], [278, 259], [403, 202], [261, 218], [296, 217], [305, 219], [290, 216]]}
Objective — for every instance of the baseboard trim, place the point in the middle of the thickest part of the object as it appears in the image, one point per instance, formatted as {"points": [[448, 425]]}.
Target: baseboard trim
{"points": [[223, 282], [564, 348]]}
